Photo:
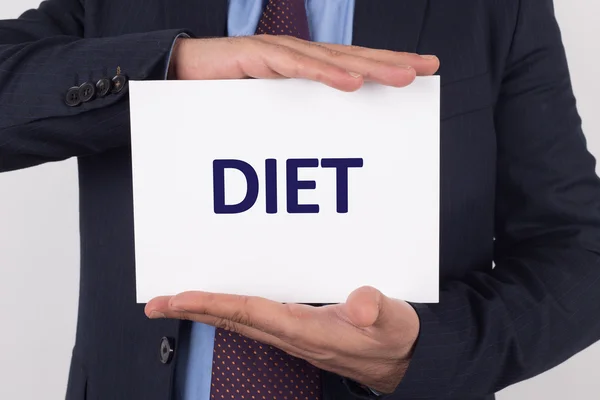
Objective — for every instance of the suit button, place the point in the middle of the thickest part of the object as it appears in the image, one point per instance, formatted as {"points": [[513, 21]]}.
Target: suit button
{"points": [[167, 348], [118, 83], [102, 87], [72, 98], [86, 92]]}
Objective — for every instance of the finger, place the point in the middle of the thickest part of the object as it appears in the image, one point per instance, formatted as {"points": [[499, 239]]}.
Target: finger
{"points": [[318, 332], [362, 307], [231, 307], [230, 326], [246, 331], [423, 64], [371, 69], [367, 307], [256, 312], [311, 328], [162, 307], [156, 307], [290, 63]]}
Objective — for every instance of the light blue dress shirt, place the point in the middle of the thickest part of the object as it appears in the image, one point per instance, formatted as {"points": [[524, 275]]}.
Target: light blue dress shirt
{"points": [[330, 21]]}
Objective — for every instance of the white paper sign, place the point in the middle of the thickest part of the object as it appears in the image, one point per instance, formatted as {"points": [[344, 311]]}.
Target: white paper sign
{"points": [[368, 161]]}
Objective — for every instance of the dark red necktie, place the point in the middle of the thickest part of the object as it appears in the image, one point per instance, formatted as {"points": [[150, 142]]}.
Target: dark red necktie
{"points": [[284, 17], [244, 368]]}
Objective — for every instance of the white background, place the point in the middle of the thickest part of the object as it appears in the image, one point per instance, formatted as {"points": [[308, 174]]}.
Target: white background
{"points": [[39, 251]]}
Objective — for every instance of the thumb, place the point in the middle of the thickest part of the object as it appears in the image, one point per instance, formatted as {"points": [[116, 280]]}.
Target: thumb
{"points": [[366, 307]]}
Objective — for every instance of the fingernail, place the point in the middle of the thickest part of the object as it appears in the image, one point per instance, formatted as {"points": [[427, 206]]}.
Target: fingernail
{"points": [[408, 67], [428, 57], [156, 314], [354, 74]]}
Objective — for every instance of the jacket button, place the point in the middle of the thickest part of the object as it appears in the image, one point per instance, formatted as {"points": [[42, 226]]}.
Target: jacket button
{"points": [[167, 348], [118, 83], [72, 98], [86, 92], [102, 87]]}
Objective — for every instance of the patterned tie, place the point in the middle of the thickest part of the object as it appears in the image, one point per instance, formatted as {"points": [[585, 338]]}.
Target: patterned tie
{"points": [[284, 17], [244, 368]]}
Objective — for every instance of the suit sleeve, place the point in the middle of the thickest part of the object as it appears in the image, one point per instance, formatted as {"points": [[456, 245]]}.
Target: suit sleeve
{"points": [[539, 306], [42, 55]]}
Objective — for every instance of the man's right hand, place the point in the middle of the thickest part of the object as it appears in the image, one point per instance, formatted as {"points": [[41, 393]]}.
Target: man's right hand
{"points": [[266, 56]]}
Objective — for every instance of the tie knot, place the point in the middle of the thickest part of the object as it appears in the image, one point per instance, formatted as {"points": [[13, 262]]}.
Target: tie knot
{"points": [[284, 17]]}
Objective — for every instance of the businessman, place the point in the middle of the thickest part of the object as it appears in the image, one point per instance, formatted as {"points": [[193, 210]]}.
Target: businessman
{"points": [[518, 190]]}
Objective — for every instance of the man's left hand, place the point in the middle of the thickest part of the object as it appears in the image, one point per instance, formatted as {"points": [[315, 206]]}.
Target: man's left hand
{"points": [[368, 339]]}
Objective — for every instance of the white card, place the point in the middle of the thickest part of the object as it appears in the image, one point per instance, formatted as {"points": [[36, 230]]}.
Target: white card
{"points": [[373, 158]]}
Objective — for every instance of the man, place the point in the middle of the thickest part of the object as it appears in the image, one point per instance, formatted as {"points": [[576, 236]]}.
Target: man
{"points": [[518, 189]]}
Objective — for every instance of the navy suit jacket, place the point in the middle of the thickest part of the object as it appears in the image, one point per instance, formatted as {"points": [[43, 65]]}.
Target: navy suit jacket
{"points": [[518, 186]]}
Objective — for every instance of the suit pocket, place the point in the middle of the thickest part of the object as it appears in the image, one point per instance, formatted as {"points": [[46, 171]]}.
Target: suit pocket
{"points": [[77, 384], [465, 95]]}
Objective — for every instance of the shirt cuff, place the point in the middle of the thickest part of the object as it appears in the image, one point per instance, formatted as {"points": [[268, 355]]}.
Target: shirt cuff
{"points": [[180, 36], [359, 391]]}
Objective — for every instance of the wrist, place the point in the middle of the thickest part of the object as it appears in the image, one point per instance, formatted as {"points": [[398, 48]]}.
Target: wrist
{"points": [[174, 70]]}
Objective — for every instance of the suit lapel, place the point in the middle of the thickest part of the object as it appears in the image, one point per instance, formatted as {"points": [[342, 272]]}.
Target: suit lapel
{"points": [[388, 24], [204, 18]]}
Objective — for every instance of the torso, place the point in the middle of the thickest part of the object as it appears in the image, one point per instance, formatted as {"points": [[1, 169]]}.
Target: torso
{"points": [[117, 351]]}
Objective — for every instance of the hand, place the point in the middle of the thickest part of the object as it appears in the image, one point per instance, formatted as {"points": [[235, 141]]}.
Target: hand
{"points": [[368, 339], [268, 56]]}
